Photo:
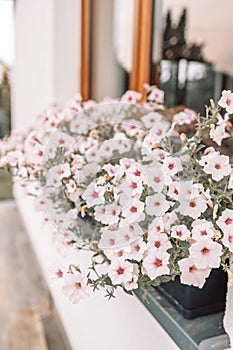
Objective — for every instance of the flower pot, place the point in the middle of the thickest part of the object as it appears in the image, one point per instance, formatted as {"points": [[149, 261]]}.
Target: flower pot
{"points": [[193, 302]]}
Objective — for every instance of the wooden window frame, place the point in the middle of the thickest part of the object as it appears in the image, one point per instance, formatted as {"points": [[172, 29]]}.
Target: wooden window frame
{"points": [[142, 46]]}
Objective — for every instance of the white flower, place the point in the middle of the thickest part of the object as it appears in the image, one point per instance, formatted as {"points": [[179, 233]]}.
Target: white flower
{"points": [[228, 240], [218, 133], [133, 212], [79, 124], [131, 97], [132, 284], [180, 231], [115, 171], [107, 214], [149, 143], [132, 127], [106, 149], [154, 93], [157, 204], [110, 238], [71, 186], [130, 188], [137, 250], [132, 230], [191, 274], [226, 100], [75, 287], [202, 227], [184, 117], [174, 190], [172, 165], [61, 139], [56, 273], [160, 129], [120, 271], [193, 207], [94, 194], [216, 165], [156, 263], [206, 253], [225, 221], [121, 143], [57, 173], [155, 177], [158, 240], [151, 119]]}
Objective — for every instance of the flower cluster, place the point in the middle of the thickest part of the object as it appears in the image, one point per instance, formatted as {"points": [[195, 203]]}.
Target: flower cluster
{"points": [[119, 180]]}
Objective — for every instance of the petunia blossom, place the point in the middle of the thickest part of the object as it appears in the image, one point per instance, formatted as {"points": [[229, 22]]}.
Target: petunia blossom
{"points": [[156, 263], [191, 274], [226, 100], [94, 194], [181, 232], [206, 253], [75, 287], [120, 271]]}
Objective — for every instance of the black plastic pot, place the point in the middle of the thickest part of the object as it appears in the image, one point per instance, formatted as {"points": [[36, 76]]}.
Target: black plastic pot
{"points": [[193, 302]]}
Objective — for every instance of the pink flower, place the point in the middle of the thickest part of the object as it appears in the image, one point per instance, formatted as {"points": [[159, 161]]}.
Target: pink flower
{"points": [[181, 232], [158, 240], [132, 127], [56, 274], [155, 177], [151, 119], [156, 263], [75, 287], [193, 207], [206, 253], [132, 284], [174, 190], [226, 101], [131, 97], [94, 194], [71, 186], [191, 274], [218, 133], [61, 139], [157, 204], [57, 173], [215, 164], [202, 227], [184, 117], [154, 93], [137, 250], [110, 238], [228, 240], [79, 124], [120, 271], [160, 130], [225, 221], [172, 165], [133, 211], [107, 214]]}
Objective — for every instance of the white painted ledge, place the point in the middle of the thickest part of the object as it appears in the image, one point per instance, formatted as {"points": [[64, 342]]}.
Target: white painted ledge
{"points": [[96, 323]]}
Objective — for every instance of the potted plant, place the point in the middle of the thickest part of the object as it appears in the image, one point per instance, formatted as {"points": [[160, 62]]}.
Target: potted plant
{"points": [[118, 179]]}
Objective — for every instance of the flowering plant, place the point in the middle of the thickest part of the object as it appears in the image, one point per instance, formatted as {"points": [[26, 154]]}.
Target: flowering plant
{"points": [[119, 180]]}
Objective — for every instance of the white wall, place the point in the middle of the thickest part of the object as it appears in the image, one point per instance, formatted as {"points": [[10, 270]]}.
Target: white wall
{"points": [[46, 56], [210, 22]]}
